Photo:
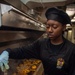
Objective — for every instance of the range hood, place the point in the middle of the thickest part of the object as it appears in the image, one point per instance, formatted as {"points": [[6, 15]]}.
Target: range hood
{"points": [[11, 17], [17, 27]]}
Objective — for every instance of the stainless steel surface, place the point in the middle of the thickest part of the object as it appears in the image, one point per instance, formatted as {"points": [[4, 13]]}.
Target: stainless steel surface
{"points": [[18, 35], [14, 18], [0, 15], [17, 28], [20, 6], [17, 4]]}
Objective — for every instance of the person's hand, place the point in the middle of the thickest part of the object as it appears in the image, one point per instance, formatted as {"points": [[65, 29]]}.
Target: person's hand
{"points": [[4, 61]]}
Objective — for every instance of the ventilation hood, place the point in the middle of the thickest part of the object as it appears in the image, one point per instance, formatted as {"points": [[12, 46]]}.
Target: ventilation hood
{"points": [[11, 17], [16, 26]]}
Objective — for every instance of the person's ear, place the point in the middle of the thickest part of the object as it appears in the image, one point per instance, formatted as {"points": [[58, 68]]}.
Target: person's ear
{"points": [[64, 27]]}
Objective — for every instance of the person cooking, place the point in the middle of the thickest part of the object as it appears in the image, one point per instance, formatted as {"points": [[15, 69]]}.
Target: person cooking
{"points": [[56, 52]]}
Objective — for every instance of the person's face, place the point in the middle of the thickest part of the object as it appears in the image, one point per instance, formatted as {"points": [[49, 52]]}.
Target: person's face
{"points": [[54, 29]]}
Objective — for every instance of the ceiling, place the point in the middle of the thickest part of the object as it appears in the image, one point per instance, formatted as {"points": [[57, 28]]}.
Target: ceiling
{"points": [[46, 3]]}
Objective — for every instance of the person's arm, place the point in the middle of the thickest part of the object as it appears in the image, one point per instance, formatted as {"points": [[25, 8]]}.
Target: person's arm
{"points": [[30, 51]]}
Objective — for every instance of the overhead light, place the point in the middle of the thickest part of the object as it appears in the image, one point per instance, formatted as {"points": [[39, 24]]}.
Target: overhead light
{"points": [[73, 20], [70, 11], [68, 25]]}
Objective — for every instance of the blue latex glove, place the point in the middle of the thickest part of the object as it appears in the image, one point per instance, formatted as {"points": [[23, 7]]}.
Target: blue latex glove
{"points": [[4, 61]]}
